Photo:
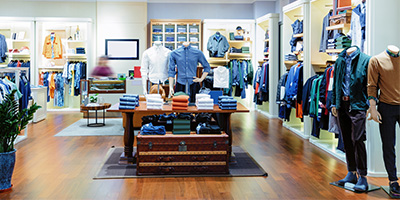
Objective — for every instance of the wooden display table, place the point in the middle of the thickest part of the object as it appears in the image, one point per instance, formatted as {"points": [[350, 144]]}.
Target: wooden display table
{"points": [[101, 106], [223, 119]]}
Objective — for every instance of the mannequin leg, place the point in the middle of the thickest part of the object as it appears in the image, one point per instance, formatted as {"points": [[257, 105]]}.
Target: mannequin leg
{"points": [[358, 120], [345, 127], [388, 135]]}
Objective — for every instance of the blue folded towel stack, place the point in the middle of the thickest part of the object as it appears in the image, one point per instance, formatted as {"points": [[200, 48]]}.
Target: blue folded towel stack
{"points": [[129, 101], [227, 103]]}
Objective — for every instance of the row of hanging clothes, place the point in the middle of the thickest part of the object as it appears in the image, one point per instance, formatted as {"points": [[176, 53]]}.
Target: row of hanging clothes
{"points": [[240, 76], [317, 94], [290, 92], [7, 85], [19, 63], [57, 81], [261, 84]]}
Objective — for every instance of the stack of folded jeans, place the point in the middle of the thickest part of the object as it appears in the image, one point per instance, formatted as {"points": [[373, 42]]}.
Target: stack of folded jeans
{"points": [[157, 30], [169, 30], [181, 39], [169, 38], [205, 104], [290, 57], [238, 37], [234, 50], [206, 128], [180, 102], [245, 49], [227, 103], [342, 42], [181, 29], [154, 102], [150, 129], [193, 30], [80, 50], [182, 123], [331, 44], [128, 101]]}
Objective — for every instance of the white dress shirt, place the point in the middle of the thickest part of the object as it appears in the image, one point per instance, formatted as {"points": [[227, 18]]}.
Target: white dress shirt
{"points": [[155, 64], [221, 77]]}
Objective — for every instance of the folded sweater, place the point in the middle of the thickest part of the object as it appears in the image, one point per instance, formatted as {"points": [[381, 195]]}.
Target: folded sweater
{"points": [[181, 98], [181, 104]]}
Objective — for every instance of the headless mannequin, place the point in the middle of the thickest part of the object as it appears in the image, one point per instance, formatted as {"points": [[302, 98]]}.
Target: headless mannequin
{"points": [[195, 79], [375, 115], [348, 51], [144, 76]]}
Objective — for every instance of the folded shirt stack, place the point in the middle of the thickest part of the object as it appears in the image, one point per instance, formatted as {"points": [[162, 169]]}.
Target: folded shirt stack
{"points": [[181, 29], [245, 49], [205, 104], [290, 57], [331, 44], [182, 123], [80, 50], [129, 101], [342, 42], [227, 103], [150, 129], [154, 102], [180, 102], [169, 38], [169, 30], [205, 128], [157, 30]]}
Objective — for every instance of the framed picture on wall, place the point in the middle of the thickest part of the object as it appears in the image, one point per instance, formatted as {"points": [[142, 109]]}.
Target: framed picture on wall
{"points": [[122, 49]]}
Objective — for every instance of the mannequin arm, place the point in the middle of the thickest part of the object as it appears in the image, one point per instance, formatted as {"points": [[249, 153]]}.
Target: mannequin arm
{"points": [[375, 115], [144, 84], [171, 86], [199, 80]]}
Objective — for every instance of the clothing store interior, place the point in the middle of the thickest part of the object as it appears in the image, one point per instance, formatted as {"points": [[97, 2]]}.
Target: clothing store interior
{"points": [[199, 99]]}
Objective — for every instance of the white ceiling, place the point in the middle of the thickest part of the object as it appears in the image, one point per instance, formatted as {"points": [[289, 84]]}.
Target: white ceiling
{"points": [[164, 1]]}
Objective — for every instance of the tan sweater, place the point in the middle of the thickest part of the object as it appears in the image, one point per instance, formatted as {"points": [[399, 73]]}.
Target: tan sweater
{"points": [[384, 74]]}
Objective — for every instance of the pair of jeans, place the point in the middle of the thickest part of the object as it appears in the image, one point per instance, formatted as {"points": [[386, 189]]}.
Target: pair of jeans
{"points": [[390, 115], [150, 129], [352, 127], [194, 88]]}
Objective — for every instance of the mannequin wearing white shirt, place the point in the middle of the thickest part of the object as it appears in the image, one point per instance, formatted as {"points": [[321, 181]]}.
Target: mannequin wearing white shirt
{"points": [[154, 65]]}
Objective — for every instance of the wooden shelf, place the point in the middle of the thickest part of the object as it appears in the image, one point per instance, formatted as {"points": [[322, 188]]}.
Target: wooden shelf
{"points": [[266, 53], [218, 61], [75, 55], [334, 50], [266, 40], [260, 62], [239, 41], [194, 42], [74, 41], [181, 33], [156, 33], [319, 67], [20, 40], [169, 42], [169, 33], [298, 35], [240, 55], [18, 54], [338, 27], [194, 33], [287, 62]]}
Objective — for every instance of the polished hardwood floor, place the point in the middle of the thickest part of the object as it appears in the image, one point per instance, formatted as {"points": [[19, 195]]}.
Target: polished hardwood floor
{"points": [[50, 167]]}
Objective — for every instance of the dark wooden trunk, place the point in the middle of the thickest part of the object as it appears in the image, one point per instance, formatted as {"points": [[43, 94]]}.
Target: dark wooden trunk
{"points": [[182, 154]]}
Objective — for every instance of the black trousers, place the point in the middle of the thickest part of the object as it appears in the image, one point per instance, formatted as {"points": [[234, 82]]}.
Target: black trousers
{"points": [[390, 115], [194, 88], [352, 126]]}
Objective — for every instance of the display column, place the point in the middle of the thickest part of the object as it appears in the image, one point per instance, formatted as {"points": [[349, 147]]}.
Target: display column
{"points": [[273, 63]]}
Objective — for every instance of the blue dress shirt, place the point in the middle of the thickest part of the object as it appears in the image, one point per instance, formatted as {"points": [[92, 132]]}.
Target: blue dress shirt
{"points": [[346, 82], [186, 59]]}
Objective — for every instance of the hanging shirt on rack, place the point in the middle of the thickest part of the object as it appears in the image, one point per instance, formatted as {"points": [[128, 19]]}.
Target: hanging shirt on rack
{"points": [[3, 48], [59, 90], [357, 26], [52, 85], [77, 79], [217, 45], [52, 48], [221, 77], [25, 88]]}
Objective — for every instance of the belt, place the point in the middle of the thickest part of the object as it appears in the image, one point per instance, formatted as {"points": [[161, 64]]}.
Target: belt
{"points": [[345, 98]]}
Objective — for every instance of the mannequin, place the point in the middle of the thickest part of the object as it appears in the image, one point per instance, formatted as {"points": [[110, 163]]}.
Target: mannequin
{"points": [[154, 65], [383, 75], [349, 104], [183, 62]]}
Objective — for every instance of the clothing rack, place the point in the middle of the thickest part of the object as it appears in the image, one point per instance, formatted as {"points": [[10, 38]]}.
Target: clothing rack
{"points": [[18, 71]]}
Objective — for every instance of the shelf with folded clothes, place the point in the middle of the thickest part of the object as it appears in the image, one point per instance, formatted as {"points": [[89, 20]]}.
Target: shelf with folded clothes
{"points": [[239, 55], [239, 41], [73, 41], [75, 55], [25, 41]]}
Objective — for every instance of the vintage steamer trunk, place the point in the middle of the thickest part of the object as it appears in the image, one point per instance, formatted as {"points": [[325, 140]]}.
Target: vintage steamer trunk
{"points": [[182, 154]]}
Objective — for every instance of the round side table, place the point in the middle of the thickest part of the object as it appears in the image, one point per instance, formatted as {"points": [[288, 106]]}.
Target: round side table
{"points": [[102, 106]]}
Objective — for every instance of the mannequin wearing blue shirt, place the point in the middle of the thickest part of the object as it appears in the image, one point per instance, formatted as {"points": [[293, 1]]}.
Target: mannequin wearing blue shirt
{"points": [[183, 62]]}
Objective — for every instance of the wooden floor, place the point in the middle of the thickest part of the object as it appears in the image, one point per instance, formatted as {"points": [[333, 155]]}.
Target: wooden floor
{"points": [[50, 167]]}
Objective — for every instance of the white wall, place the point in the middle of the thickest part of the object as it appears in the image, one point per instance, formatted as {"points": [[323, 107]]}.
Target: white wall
{"points": [[261, 8], [130, 22]]}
